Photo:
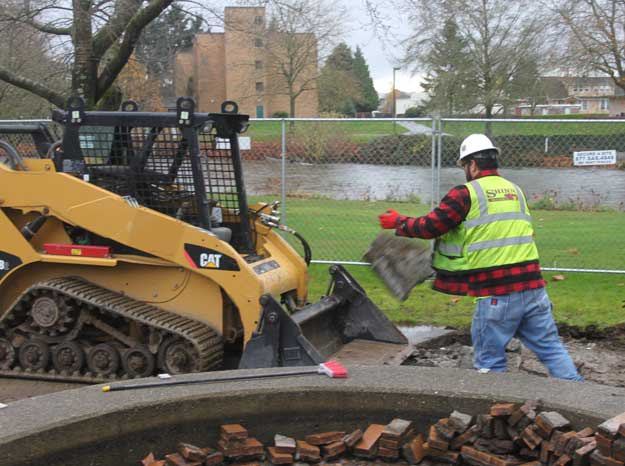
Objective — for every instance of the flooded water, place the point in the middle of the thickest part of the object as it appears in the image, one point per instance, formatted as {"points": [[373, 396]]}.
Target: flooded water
{"points": [[589, 186]]}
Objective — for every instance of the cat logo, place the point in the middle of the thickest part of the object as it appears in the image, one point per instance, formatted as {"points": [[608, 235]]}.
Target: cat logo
{"points": [[210, 261]]}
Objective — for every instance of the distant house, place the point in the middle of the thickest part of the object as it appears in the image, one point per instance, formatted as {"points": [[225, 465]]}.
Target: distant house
{"points": [[404, 101], [573, 94]]}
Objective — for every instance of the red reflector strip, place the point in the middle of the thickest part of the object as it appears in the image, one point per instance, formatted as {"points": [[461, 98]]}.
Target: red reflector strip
{"points": [[76, 250]]}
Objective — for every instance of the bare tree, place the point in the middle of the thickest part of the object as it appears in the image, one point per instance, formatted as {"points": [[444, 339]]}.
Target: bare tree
{"points": [[299, 35], [96, 36], [501, 37], [595, 30]]}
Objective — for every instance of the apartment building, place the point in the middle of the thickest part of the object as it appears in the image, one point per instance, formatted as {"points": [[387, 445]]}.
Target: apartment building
{"points": [[242, 64]]}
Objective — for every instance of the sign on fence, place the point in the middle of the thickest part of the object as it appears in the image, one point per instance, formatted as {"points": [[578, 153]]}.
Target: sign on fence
{"points": [[594, 157]]}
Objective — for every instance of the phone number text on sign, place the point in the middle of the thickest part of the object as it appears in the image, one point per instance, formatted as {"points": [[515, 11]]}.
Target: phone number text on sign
{"points": [[594, 157]]}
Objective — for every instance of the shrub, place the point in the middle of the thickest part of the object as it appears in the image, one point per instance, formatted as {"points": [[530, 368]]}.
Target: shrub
{"points": [[280, 115]]}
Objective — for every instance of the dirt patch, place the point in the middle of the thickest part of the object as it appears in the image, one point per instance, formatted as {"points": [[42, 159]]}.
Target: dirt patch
{"points": [[599, 354]]}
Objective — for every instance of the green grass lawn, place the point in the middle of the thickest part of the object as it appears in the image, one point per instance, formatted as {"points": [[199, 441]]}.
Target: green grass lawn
{"points": [[355, 131], [342, 230], [527, 128], [367, 129]]}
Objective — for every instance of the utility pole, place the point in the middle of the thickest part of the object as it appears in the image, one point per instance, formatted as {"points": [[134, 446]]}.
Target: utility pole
{"points": [[394, 98]]}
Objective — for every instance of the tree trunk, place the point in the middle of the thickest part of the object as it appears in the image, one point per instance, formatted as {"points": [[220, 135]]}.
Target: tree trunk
{"points": [[85, 67], [488, 107]]}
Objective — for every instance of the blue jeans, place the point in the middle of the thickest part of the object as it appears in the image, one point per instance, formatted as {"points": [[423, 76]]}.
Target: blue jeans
{"points": [[526, 315]]}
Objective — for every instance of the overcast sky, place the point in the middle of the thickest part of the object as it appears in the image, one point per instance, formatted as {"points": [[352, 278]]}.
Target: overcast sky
{"points": [[381, 55]]}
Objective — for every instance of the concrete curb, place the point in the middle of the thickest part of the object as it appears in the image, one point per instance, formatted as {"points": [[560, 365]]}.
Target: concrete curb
{"points": [[121, 427]]}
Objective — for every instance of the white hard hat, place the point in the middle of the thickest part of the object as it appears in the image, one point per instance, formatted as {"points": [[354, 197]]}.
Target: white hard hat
{"points": [[474, 144]]}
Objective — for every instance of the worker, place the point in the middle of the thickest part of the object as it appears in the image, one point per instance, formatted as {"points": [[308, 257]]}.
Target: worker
{"points": [[485, 248]]}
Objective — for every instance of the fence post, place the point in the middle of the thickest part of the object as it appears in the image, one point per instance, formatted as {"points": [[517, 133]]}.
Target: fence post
{"points": [[283, 173], [439, 156], [432, 202]]}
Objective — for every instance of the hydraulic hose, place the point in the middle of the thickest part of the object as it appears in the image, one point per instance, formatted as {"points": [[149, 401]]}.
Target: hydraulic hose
{"points": [[273, 222], [305, 245]]}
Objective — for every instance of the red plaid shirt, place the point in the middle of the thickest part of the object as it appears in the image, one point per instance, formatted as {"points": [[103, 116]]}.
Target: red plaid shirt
{"points": [[498, 281]]}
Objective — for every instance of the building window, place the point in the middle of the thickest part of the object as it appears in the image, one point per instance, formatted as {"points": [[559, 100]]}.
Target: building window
{"points": [[260, 87], [258, 64], [604, 104], [258, 43], [258, 20], [584, 105]]}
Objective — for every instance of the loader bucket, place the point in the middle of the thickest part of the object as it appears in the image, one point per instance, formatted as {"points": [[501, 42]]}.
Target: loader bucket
{"points": [[345, 325]]}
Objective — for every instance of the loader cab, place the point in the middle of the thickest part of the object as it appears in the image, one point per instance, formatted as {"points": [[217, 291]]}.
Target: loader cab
{"points": [[184, 164]]}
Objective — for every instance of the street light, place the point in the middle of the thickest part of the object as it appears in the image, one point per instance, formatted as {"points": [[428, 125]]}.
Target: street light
{"points": [[394, 94]]}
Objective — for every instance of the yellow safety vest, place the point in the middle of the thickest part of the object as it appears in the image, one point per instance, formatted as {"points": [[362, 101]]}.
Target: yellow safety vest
{"points": [[497, 230]]}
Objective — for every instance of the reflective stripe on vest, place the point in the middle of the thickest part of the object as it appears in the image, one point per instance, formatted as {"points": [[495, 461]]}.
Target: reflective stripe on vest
{"points": [[485, 218], [498, 243], [449, 249]]}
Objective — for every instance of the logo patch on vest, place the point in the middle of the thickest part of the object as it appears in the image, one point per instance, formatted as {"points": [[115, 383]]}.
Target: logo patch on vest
{"points": [[502, 194]]}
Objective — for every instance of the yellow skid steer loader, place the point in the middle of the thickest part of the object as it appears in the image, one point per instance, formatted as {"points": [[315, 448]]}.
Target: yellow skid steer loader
{"points": [[128, 248]]}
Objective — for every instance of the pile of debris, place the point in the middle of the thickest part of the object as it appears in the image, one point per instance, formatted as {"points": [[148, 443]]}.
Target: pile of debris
{"points": [[509, 435]]}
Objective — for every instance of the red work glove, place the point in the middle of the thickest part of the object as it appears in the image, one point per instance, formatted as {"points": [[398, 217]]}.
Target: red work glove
{"points": [[391, 219]]}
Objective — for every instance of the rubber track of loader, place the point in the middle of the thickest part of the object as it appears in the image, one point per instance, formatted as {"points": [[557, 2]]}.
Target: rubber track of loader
{"points": [[206, 341]]}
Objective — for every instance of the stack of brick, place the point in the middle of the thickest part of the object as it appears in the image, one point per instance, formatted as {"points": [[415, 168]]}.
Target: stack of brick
{"points": [[610, 443], [509, 435], [393, 438], [237, 446]]}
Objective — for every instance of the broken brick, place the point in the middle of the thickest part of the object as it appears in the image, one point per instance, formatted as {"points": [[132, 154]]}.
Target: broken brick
{"points": [[524, 410], [546, 449], [213, 459], [586, 432], [443, 456], [389, 443], [532, 463], [502, 409], [307, 452], [446, 430], [531, 438], [582, 455], [367, 446], [468, 437], [564, 460], [250, 447], [148, 460], [397, 429], [276, 457], [191, 452], [460, 422], [618, 449], [176, 459], [333, 450], [324, 438], [548, 421], [414, 451], [529, 454], [559, 445], [597, 459], [233, 432], [284, 444], [350, 440], [611, 427], [604, 444], [435, 440], [388, 453]]}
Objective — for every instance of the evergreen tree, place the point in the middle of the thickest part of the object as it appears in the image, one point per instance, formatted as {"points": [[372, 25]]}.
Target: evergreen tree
{"points": [[450, 81], [369, 99], [338, 89]]}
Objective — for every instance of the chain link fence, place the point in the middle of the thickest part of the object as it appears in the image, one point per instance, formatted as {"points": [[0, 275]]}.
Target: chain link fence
{"points": [[334, 176]]}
